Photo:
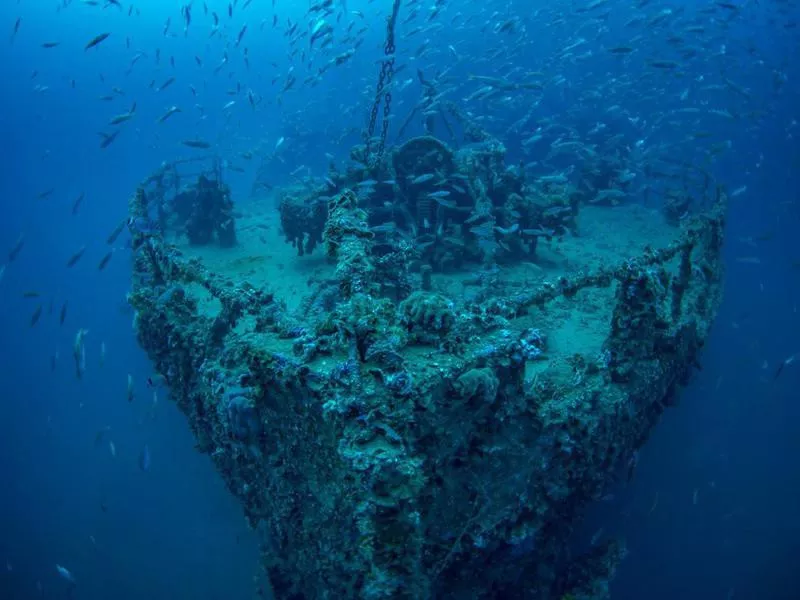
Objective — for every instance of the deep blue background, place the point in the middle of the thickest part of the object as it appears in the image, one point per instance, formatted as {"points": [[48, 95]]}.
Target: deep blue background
{"points": [[175, 532]]}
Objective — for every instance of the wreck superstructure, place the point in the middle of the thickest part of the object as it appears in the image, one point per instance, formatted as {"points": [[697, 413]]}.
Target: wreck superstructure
{"points": [[445, 364]]}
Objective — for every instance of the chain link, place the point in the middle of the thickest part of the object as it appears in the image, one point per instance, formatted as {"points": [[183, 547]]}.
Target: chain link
{"points": [[384, 83]]}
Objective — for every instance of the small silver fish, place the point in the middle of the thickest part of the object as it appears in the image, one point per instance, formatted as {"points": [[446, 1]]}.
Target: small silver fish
{"points": [[442, 201], [170, 111], [738, 191], [144, 459], [65, 574], [507, 230], [422, 178]]}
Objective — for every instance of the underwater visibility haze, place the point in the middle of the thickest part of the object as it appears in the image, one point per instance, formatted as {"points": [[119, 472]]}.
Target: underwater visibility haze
{"points": [[319, 299]]}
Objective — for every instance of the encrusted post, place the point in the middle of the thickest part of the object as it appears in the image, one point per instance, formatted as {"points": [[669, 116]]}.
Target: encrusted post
{"points": [[348, 241]]}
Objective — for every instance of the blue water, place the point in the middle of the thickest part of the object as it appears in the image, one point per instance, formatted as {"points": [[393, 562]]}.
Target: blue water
{"points": [[712, 511]]}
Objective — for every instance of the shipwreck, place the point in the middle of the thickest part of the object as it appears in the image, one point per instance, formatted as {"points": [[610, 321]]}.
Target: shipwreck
{"points": [[414, 373]]}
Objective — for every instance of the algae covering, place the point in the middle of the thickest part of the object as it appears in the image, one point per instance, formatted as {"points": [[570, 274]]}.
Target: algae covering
{"points": [[416, 380]]}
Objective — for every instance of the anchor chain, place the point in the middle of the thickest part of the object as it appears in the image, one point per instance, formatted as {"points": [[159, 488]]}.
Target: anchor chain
{"points": [[384, 83]]}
